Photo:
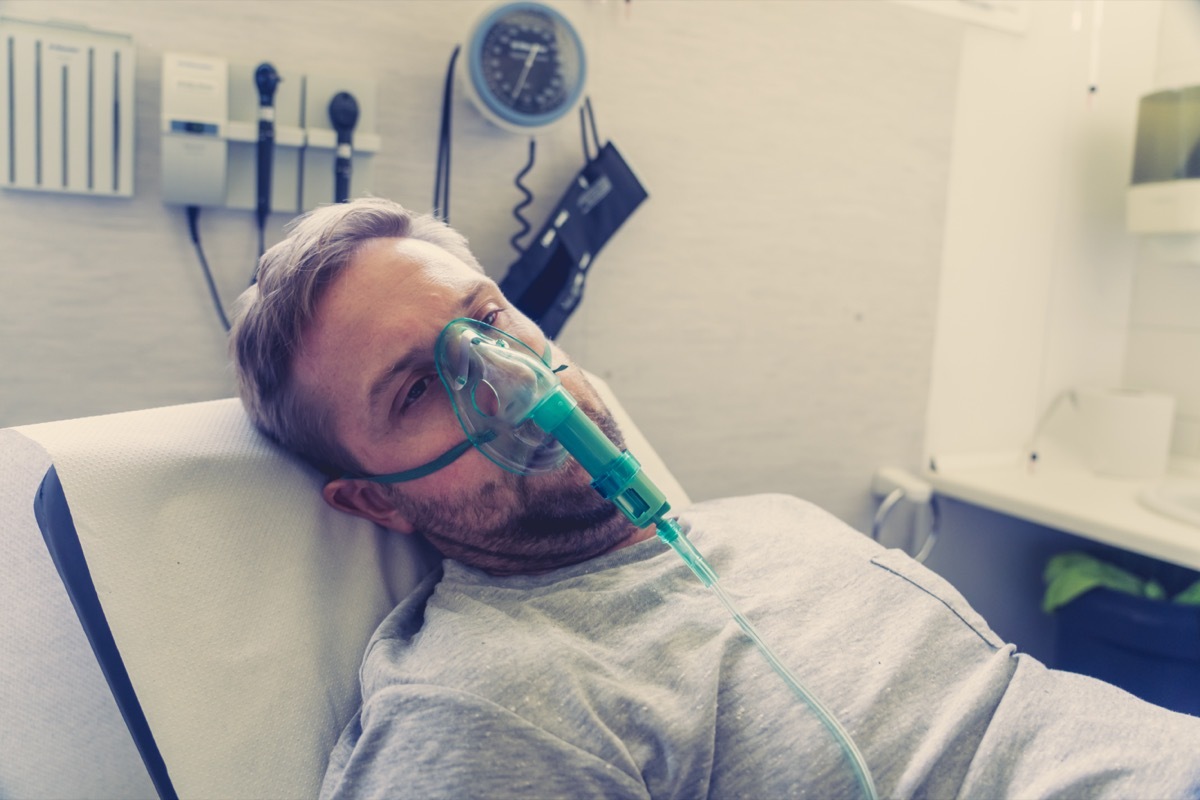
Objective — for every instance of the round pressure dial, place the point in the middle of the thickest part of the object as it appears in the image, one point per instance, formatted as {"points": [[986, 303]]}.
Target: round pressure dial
{"points": [[525, 66]]}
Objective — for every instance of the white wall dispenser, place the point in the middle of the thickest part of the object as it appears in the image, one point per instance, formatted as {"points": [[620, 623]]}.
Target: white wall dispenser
{"points": [[195, 121], [1164, 198]]}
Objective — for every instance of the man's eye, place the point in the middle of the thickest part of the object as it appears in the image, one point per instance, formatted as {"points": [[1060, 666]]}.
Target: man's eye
{"points": [[415, 392], [491, 317]]}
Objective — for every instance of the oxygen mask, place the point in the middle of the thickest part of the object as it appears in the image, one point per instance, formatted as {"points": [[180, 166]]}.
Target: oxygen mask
{"points": [[495, 381]]}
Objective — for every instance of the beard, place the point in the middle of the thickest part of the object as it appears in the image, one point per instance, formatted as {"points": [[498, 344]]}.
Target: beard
{"points": [[522, 524]]}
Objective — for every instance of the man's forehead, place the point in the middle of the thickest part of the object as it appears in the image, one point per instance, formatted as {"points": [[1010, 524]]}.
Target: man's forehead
{"points": [[387, 274], [402, 257]]}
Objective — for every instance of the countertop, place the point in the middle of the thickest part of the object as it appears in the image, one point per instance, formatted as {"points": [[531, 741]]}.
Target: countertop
{"points": [[1065, 495]]}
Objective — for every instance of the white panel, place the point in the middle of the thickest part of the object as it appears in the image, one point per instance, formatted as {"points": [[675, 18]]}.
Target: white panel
{"points": [[1178, 46], [79, 121], [65, 127], [1166, 360], [1005, 15], [103, 120], [51, 149], [123, 112], [1167, 295], [5, 97], [1185, 439], [6, 156], [25, 100], [61, 114]]}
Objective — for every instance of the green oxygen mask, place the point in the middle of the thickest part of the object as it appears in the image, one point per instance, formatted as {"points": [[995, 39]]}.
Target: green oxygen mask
{"points": [[495, 381]]}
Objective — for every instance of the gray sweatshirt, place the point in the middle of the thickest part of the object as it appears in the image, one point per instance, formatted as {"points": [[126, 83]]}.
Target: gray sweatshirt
{"points": [[625, 677]]}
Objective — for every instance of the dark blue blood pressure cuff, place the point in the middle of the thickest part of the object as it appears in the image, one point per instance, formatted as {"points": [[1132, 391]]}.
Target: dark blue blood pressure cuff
{"points": [[58, 529], [547, 281]]}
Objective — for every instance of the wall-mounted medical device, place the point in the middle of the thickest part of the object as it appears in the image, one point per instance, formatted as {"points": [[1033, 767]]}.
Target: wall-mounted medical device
{"points": [[1164, 198], [195, 122], [524, 66], [66, 109], [248, 121], [340, 144], [213, 125]]}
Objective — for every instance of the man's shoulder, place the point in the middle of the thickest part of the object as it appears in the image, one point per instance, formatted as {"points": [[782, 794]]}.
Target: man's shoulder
{"points": [[771, 531], [772, 511], [766, 502]]}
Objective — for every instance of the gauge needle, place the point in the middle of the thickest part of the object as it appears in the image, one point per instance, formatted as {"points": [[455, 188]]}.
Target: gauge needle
{"points": [[529, 59]]}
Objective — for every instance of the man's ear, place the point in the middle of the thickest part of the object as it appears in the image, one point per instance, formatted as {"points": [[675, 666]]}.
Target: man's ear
{"points": [[367, 500]]}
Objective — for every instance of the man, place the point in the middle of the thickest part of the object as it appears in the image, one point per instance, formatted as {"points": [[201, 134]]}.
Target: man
{"points": [[560, 652]]}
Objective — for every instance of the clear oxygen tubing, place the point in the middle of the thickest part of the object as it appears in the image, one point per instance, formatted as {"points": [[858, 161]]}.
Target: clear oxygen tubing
{"points": [[668, 530], [618, 477]]}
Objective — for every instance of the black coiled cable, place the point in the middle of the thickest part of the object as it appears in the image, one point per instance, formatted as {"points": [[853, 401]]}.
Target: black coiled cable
{"points": [[515, 241]]}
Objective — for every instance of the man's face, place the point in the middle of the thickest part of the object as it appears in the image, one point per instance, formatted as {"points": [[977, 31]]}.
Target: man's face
{"points": [[368, 354]]}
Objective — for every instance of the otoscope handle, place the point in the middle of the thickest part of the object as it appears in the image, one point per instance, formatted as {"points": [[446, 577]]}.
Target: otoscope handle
{"points": [[266, 145], [341, 174]]}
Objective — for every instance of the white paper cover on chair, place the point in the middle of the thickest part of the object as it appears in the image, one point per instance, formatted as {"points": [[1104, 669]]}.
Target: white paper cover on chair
{"points": [[240, 602], [61, 734]]}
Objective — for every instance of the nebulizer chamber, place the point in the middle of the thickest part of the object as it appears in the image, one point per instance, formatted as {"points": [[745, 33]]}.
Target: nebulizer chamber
{"points": [[514, 409]]}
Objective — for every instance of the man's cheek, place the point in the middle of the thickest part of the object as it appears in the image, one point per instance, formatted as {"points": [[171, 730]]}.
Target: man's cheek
{"points": [[470, 473]]}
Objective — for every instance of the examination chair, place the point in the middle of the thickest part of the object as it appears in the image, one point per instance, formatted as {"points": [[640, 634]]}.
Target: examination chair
{"points": [[183, 616]]}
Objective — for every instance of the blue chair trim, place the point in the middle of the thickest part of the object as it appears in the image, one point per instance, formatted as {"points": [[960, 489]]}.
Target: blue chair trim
{"points": [[58, 529]]}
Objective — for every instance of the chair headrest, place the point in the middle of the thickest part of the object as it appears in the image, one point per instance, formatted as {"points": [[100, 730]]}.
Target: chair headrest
{"points": [[240, 602]]}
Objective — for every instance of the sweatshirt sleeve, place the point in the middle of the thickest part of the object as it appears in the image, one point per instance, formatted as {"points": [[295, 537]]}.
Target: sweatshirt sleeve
{"points": [[421, 741]]}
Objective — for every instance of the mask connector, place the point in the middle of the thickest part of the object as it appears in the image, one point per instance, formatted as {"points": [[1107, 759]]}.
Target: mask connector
{"points": [[616, 474]]}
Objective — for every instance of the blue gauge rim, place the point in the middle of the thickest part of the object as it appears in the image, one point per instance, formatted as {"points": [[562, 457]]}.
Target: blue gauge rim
{"points": [[485, 94]]}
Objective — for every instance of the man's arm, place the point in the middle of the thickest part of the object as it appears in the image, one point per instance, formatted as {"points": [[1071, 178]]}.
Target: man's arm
{"points": [[427, 741], [1057, 734]]}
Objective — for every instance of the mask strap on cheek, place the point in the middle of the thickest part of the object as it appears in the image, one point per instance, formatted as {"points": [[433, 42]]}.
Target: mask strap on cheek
{"points": [[444, 460], [546, 360]]}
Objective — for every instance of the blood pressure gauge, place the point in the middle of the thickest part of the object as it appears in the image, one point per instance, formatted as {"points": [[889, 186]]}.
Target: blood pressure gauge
{"points": [[524, 66]]}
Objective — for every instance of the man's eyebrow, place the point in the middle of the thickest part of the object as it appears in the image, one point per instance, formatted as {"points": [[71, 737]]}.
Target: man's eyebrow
{"points": [[383, 381], [405, 362]]}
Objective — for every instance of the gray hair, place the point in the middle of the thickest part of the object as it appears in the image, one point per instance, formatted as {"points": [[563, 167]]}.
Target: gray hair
{"points": [[270, 317]]}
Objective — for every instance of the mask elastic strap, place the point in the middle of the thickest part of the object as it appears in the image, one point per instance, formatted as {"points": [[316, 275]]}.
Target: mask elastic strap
{"points": [[444, 460]]}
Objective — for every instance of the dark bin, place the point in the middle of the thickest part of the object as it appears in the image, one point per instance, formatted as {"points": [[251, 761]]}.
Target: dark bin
{"points": [[1150, 648]]}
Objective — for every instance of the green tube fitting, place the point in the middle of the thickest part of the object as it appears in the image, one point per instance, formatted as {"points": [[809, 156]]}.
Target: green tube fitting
{"points": [[668, 531], [560, 416], [616, 475]]}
